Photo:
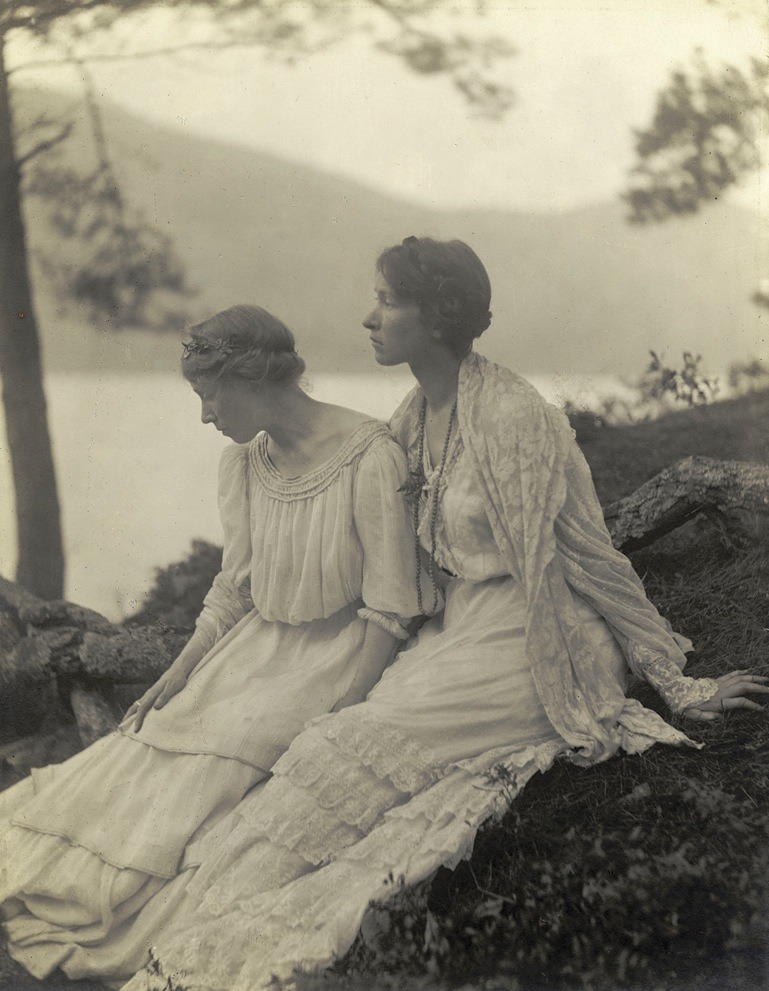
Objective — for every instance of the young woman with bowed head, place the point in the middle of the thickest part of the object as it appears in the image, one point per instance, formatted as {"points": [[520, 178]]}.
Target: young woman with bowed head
{"points": [[525, 663], [317, 582]]}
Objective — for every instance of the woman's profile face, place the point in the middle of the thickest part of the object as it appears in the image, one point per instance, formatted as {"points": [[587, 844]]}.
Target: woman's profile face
{"points": [[396, 328], [232, 405]]}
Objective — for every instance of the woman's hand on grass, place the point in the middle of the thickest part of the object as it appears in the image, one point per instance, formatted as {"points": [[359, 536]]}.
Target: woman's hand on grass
{"points": [[732, 689]]}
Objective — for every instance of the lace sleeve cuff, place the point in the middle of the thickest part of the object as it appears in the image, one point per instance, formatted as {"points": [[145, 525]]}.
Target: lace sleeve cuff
{"points": [[387, 620], [677, 690]]}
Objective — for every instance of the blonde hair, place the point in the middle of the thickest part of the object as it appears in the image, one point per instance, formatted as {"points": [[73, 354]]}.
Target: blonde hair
{"points": [[245, 342]]}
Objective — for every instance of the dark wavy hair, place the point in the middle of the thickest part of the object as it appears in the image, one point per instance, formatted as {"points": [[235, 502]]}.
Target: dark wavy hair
{"points": [[245, 342], [448, 281]]}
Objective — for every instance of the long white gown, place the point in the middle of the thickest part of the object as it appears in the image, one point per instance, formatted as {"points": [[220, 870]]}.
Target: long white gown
{"points": [[96, 852], [383, 793]]}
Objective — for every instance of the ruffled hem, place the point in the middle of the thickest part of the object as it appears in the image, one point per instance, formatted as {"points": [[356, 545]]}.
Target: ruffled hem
{"points": [[332, 832], [245, 933], [327, 791], [387, 751]]}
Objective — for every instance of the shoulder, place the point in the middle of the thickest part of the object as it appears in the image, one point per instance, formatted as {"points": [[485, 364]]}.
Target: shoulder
{"points": [[233, 475], [494, 399], [405, 419], [234, 458], [494, 383], [378, 451], [347, 420]]}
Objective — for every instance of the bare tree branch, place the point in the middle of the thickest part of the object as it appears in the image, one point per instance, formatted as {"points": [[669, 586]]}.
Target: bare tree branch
{"points": [[46, 145], [33, 16]]}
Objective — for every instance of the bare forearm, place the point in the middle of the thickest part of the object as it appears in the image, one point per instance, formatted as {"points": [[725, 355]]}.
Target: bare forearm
{"points": [[192, 654]]}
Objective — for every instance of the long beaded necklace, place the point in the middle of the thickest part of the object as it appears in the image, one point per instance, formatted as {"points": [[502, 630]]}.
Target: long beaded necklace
{"points": [[413, 488]]}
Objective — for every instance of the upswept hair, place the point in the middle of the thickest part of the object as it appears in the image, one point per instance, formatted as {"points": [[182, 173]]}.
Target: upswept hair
{"points": [[448, 281], [245, 342]]}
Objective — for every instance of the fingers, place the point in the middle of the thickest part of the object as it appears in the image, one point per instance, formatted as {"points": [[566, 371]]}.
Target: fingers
{"points": [[141, 713], [700, 715], [741, 703], [129, 716], [742, 676], [724, 705], [743, 686]]}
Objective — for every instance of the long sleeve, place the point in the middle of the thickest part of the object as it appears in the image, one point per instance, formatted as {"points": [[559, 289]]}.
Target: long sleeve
{"points": [[386, 536], [605, 577], [549, 529], [229, 598]]}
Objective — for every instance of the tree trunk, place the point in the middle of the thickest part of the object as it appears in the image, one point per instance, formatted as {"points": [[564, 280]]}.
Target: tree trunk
{"points": [[40, 553], [678, 493]]}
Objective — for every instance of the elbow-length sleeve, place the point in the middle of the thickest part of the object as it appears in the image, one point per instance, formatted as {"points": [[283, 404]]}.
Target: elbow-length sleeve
{"points": [[229, 598], [381, 521]]}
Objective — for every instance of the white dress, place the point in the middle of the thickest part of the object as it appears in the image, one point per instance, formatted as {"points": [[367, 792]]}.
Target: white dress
{"points": [[383, 793], [96, 851]]}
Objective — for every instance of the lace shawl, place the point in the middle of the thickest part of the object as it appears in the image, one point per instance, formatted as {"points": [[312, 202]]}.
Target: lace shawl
{"points": [[549, 527]]}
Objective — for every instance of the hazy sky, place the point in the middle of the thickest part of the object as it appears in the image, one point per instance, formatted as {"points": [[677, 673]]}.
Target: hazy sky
{"points": [[585, 73]]}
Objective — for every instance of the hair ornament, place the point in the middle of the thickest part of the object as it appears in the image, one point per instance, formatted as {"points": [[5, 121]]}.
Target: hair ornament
{"points": [[202, 346]]}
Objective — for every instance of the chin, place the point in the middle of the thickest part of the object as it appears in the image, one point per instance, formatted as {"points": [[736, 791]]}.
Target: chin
{"points": [[383, 359]]}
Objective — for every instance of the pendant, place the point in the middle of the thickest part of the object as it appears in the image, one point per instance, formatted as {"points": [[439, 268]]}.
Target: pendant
{"points": [[413, 485]]}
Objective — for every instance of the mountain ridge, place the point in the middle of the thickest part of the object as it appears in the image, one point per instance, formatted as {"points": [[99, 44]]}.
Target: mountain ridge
{"points": [[579, 291]]}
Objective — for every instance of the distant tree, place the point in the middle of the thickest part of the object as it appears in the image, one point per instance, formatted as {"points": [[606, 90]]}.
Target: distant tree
{"points": [[705, 136], [128, 262], [708, 132]]}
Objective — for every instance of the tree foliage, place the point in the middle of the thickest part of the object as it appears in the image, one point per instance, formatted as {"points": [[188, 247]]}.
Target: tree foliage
{"points": [[705, 136]]}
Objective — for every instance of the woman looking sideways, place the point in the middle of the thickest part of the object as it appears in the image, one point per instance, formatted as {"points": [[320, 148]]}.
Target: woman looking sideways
{"points": [[525, 664], [318, 571]]}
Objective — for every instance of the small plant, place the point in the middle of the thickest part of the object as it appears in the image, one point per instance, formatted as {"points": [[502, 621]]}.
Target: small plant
{"points": [[658, 390], [686, 384]]}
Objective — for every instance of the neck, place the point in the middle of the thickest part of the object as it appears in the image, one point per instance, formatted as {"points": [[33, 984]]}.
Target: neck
{"points": [[438, 376], [292, 418]]}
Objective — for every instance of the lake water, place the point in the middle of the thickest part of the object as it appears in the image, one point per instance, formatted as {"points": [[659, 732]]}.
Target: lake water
{"points": [[137, 472]]}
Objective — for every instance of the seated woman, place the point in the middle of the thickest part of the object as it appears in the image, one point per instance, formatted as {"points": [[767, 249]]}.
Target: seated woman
{"points": [[318, 571], [525, 664]]}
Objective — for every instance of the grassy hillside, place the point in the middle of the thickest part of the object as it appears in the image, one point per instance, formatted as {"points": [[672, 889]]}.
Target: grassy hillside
{"points": [[622, 458], [579, 291]]}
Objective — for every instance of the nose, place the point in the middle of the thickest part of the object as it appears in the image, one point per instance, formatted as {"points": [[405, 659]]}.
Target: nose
{"points": [[207, 415], [371, 322]]}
